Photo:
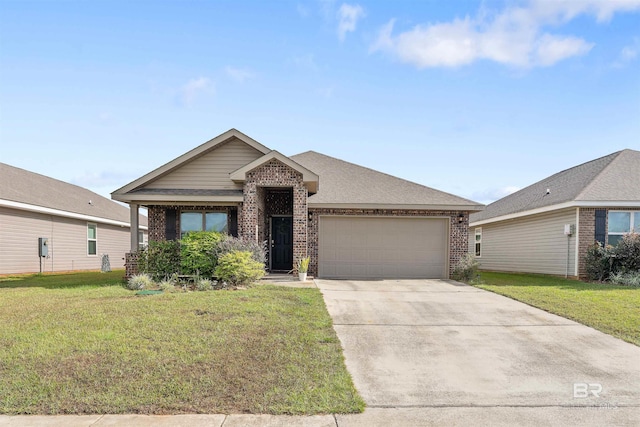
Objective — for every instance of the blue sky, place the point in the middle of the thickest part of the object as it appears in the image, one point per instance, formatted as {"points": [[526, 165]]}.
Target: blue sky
{"points": [[473, 98]]}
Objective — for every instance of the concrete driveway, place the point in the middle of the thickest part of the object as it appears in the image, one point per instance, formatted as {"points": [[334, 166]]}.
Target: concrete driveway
{"points": [[458, 354]]}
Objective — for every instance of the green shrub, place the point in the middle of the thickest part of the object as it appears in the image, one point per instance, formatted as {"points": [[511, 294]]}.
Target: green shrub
{"points": [[139, 281], [197, 252], [605, 262], [160, 259], [631, 278], [203, 285], [239, 268], [230, 244], [168, 285], [598, 262], [466, 270], [627, 254]]}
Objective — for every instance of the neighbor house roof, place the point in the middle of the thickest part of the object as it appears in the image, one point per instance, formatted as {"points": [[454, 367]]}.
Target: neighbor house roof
{"points": [[610, 181], [24, 190], [344, 184]]}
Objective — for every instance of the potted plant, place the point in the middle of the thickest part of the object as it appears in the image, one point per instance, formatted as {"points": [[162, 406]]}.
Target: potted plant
{"points": [[303, 268]]}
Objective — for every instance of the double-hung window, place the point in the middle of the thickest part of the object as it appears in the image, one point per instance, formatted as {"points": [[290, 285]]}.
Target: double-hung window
{"points": [[478, 241], [202, 221], [621, 223], [92, 239]]}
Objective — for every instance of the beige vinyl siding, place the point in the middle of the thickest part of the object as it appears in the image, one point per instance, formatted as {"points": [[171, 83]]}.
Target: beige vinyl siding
{"points": [[20, 230], [534, 244], [211, 170]]}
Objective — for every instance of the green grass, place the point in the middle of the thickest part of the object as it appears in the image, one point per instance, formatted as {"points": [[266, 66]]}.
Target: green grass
{"points": [[81, 343], [614, 310]]}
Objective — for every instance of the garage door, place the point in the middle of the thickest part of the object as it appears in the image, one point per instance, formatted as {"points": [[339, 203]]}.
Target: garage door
{"points": [[382, 247]]}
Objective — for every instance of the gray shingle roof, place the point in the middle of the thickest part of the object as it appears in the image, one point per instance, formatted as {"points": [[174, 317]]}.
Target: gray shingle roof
{"points": [[615, 177], [19, 185], [344, 183]]}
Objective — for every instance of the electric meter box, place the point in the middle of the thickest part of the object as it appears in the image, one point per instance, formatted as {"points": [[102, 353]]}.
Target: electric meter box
{"points": [[43, 247]]}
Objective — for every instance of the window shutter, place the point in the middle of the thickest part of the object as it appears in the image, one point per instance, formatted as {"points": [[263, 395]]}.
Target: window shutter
{"points": [[170, 216], [601, 225], [233, 222]]}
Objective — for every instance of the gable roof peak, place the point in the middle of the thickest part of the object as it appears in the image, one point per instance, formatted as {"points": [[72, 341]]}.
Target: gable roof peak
{"points": [[191, 155]]}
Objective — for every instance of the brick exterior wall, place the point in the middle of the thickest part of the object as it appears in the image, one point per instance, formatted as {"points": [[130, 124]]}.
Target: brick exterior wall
{"points": [[274, 174], [586, 236], [458, 229], [587, 233]]}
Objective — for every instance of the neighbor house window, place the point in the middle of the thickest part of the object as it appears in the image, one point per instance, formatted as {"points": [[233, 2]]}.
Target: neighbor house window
{"points": [[478, 242], [141, 244], [92, 239], [621, 223], [202, 221]]}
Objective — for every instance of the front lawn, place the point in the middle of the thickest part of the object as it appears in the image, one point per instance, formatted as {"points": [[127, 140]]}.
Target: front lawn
{"points": [[81, 343], [614, 310]]}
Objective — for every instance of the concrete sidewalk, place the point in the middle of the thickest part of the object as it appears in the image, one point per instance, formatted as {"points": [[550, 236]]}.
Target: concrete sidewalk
{"points": [[372, 417]]}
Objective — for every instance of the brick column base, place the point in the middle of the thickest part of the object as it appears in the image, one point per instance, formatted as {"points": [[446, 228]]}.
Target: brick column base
{"points": [[130, 264]]}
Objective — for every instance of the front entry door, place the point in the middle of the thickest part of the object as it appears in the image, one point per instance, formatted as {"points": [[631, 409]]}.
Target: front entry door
{"points": [[281, 243]]}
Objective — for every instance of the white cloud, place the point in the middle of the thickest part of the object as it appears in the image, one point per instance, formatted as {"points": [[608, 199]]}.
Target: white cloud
{"points": [[307, 62], [552, 49], [348, 16], [629, 53], [194, 87], [238, 74], [513, 36]]}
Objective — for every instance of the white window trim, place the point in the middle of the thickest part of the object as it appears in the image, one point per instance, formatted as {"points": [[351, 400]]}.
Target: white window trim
{"points": [[92, 240], [477, 232], [632, 226]]}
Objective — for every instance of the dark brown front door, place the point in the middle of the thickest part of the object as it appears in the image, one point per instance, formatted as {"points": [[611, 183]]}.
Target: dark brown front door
{"points": [[281, 243]]}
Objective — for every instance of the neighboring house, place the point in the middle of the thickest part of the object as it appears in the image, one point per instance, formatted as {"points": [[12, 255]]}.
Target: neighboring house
{"points": [[548, 226], [79, 225], [353, 222]]}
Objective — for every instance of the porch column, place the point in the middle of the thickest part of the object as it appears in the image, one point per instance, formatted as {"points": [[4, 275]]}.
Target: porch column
{"points": [[249, 224], [300, 222], [134, 225]]}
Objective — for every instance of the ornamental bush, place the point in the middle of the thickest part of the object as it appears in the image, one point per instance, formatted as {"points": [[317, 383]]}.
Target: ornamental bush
{"points": [[466, 270], [239, 268], [138, 282], [606, 262], [599, 261], [627, 279], [197, 252], [160, 259], [627, 254], [229, 244]]}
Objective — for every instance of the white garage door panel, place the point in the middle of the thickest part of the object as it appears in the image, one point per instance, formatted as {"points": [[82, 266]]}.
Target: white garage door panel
{"points": [[370, 248]]}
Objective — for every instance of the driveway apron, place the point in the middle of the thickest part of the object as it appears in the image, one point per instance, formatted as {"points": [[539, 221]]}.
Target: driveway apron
{"points": [[441, 344]]}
